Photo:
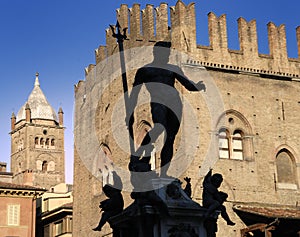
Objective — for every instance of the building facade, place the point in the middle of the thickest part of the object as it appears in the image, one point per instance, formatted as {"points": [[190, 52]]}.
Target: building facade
{"points": [[247, 121], [55, 216], [18, 209], [37, 142]]}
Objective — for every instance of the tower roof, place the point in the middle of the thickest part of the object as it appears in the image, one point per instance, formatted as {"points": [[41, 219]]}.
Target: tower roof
{"points": [[38, 104]]}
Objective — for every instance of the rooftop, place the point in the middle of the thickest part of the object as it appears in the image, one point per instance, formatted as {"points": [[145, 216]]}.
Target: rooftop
{"points": [[4, 185], [38, 104]]}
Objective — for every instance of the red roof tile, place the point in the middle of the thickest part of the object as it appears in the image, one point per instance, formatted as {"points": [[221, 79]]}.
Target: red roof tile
{"points": [[277, 211], [5, 185]]}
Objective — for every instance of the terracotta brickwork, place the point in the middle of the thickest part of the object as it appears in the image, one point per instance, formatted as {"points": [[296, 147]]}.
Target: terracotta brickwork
{"points": [[259, 102], [18, 209]]}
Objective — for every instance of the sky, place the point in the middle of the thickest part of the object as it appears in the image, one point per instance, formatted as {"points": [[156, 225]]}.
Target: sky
{"points": [[57, 38]]}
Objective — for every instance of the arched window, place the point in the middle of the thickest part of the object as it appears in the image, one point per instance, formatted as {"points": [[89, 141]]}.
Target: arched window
{"points": [[105, 168], [19, 166], [235, 136], [231, 145], [286, 169], [44, 166], [224, 144], [142, 130], [42, 142], [237, 145], [53, 142], [36, 140], [47, 142]]}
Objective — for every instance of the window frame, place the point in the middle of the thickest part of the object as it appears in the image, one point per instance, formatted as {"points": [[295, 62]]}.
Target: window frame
{"points": [[230, 137], [287, 185], [13, 216]]}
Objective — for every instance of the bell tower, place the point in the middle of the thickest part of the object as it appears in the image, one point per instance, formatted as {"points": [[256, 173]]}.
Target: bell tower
{"points": [[37, 142]]}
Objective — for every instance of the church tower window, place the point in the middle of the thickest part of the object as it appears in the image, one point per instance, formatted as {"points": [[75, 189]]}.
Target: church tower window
{"points": [[44, 166], [47, 142], [36, 140], [42, 142]]}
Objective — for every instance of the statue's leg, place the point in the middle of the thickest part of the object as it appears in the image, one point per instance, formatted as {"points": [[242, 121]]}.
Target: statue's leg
{"points": [[225, 216], [158, 113], [171, 124], [104, 218]]}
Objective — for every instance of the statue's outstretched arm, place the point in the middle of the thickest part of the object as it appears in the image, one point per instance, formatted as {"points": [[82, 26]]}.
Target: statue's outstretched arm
{"points": [[188, 84]]}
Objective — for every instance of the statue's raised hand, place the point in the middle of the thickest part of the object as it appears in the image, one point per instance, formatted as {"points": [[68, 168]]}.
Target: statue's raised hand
{"points": [[201, 86]]}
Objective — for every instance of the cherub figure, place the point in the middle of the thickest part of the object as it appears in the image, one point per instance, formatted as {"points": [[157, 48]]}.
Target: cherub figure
{"points": [[213, 199], [188, 187], [111, 206]]}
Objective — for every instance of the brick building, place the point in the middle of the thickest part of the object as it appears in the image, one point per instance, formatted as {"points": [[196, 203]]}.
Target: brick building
{"points": [[55, 217], [247, 121], [37, 142], [18, 209], [37, 160]]}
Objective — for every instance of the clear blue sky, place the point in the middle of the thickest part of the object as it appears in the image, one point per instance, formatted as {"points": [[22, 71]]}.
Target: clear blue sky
{"points": [[57, 38]]}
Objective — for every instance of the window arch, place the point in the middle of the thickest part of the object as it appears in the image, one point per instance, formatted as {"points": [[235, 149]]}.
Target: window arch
{"points": [[42, 142], [231, 144], [224, 144], [142, 130], [47, 142], [20, 166], [286, 169], [36, 140], [237, 145], [44, 166], [20, 144], [103, 164], [234, 136]]}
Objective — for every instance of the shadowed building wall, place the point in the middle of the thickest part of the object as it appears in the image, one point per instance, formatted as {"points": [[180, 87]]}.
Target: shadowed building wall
{"points": [[256, 132]]}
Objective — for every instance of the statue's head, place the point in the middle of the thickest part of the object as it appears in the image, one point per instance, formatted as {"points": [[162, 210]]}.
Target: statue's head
{"points": [[161, 51], [109, 191], [216, 180]]}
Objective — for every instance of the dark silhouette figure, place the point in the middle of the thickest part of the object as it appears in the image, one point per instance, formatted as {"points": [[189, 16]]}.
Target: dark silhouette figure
{"points": [[113, 205], [213, 200], [188, 187], [166, 106]]}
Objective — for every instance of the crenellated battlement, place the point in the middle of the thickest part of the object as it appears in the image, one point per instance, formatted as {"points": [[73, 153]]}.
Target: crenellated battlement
{"points": [[146, 26]]}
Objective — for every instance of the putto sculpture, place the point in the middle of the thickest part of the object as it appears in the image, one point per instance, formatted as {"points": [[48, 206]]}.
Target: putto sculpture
{"points": [[113, 205], [213, 200]]}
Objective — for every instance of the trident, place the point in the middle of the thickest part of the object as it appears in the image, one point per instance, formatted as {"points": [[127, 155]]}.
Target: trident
{"points": [[120, 39]]}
